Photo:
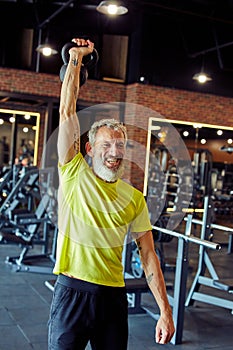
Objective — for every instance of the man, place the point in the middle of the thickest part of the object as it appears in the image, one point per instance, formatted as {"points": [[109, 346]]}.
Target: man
{"points": [[96, 211]]}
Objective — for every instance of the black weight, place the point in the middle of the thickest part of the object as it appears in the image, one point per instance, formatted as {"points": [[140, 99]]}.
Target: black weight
{"points": [[65, 52], [91, 60], [88, 62], [159, 236], [62, 72]]}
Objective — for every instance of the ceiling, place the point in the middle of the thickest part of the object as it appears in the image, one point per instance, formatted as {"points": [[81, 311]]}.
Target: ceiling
{"points": [[169, 40]]}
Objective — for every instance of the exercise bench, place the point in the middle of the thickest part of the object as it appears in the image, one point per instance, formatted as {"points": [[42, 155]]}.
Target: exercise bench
{"points": [[135, 287]]}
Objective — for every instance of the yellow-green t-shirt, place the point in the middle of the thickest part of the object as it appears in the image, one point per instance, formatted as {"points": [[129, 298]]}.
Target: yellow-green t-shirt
{"points": [[94, 218]]}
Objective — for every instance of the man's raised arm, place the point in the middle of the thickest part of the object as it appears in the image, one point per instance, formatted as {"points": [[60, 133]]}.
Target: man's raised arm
{"points": [[69, 130]]}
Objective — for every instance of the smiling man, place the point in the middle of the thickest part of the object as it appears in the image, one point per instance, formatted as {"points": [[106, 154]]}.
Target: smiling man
{"points": [[106, 146], [97, 209]]}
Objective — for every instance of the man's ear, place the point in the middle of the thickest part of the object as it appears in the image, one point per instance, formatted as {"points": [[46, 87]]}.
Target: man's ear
{"points": [[88, 148]]}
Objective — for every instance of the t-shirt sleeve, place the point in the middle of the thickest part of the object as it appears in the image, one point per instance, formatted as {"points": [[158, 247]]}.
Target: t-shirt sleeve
{"points": [[141, 223], [72, 168]]}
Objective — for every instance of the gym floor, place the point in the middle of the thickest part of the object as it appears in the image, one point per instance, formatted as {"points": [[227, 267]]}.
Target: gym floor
{"points": [[25, 302]]}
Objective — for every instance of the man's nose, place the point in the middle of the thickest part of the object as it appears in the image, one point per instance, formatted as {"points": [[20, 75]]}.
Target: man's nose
{"points": [[114, 149]]}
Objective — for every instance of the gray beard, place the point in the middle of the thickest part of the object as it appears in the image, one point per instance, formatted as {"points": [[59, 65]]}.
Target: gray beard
{"points": [[104, 172]]}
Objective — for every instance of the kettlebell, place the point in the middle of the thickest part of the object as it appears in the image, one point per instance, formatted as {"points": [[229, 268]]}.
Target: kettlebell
{"points": [[88, 62]]}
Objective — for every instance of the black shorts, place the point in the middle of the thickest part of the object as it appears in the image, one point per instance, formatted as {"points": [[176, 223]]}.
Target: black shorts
{"points": [[83, 311]]}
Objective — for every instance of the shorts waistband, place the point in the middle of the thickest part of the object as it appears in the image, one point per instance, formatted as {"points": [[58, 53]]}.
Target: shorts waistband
{"points": [[85, 286]]}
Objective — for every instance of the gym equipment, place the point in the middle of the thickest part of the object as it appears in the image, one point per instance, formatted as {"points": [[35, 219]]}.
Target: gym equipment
{"points": [[26, 190], [169, 187], [22, 194], [159, 239], [25, 230], [181, 273], [205, 264], [27, 218], [169, 192], [8, 180], [203, 163], [88, 62], [136, 266], [226, 229], [5, 184]]}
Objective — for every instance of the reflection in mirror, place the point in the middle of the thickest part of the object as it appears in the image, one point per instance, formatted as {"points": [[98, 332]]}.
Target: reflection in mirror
{"points": [[169, 175], [19, 133], [210, 148]]}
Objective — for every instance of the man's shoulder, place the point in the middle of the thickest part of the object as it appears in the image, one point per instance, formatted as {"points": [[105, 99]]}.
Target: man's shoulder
{"points": [[128, 185], [76, 165]]}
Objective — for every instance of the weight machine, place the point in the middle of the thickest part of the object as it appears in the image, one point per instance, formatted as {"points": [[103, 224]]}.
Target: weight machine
{"points": [[30, 230], [22, 194], [26, 190], [27, 219], [9, 178]]}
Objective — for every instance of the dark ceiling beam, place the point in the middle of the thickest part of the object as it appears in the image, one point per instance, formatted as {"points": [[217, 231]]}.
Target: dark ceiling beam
{"points": [[186, 12], [53, 15], [42, 24], [215, 48]]}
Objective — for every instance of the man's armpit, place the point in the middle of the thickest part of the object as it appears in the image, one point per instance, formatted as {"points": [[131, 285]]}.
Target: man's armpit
{"points": [[138, 235]]}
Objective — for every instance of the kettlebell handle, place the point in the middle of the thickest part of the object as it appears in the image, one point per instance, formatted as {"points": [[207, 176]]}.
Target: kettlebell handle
{"points": [[89, 61]]}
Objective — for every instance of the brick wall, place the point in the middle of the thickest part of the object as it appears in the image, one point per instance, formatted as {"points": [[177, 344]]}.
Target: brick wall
{"points": [[143, 101], [170, 103], [27, 82]]}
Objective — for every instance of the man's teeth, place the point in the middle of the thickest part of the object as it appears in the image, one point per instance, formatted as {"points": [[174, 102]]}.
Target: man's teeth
{"points": [[112, 160]]}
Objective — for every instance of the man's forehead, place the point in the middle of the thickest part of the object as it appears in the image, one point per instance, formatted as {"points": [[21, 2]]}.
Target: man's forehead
{"points": [[110, 133]]}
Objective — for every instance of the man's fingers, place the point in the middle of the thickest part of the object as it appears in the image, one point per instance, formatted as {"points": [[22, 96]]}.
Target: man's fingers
{"points": [[82, 42], [162, 337], [79, 41], [158, 334]]}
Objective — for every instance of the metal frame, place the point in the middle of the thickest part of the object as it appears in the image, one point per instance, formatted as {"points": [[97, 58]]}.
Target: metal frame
{"points": [[204, 264], [182, 263]]}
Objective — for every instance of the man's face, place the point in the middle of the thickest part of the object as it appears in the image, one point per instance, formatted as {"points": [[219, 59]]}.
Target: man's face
{"points": [[107, 154]]}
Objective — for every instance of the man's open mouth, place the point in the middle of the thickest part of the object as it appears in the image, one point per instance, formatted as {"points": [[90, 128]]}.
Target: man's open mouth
{"points": [[113, 162]]}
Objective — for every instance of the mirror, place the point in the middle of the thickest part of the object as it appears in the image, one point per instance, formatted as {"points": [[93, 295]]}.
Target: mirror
{"points": [[186, 161], [19, 134]]}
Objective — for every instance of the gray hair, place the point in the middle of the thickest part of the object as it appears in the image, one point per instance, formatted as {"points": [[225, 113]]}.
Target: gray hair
{"points": [[110, 123]]}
